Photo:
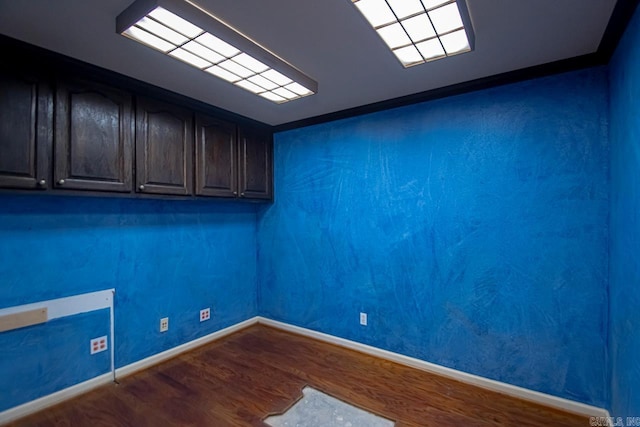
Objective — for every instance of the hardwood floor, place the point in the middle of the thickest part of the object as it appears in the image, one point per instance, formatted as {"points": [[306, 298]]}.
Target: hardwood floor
{"points": [[259, 371]]}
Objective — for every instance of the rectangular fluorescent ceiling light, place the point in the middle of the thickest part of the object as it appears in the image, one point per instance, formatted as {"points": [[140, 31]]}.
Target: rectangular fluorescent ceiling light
{"points": [[186, 32], [419, 31]]}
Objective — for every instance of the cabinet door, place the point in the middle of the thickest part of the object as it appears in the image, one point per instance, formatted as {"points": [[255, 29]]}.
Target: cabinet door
{"points": [[26, 108], [216, 158], [94, 138], [256, 171], [164, 149]]}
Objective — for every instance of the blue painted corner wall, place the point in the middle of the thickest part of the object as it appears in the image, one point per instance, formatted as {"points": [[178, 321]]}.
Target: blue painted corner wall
{"points": [[494, 232], [472, 230], [164, 258], [624, 337]]}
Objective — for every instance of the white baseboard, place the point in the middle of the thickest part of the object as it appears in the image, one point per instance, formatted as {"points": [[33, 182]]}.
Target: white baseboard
{"points": [[173, 352], [519, 392], [54, 398], [75, 390], [511, 390]]}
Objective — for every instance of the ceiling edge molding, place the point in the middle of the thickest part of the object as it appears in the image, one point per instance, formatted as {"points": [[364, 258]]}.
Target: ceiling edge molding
{"points": [[557, 67], [620, 18]]}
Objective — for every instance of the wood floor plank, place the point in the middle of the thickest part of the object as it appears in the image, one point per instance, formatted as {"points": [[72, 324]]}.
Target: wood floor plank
{"points": [[260, 371]]}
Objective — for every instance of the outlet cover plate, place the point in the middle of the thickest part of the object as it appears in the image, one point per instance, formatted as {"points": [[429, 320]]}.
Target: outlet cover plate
{"points": [[164, 324], [363, 319], [205, 314], [98, 345]]}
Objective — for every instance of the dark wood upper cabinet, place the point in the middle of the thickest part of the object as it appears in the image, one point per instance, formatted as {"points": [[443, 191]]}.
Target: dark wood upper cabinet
{"points": [[65, 133], [93, 138], [216, 158], [164, 148], [26, 108], [256, 163]]}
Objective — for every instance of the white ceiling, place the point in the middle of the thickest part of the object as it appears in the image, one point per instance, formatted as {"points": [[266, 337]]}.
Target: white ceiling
{"points": [[328, 40]]}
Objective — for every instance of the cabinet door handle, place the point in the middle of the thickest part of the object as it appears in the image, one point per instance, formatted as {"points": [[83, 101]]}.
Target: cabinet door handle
{"points": [[235, 193], [61, 182], [42, 183], [141, 187], [241, 194]]}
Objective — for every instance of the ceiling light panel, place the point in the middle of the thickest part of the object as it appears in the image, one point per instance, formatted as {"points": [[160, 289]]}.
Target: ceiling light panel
{"points": [[188, 33], [418, 31], [377, 12]]}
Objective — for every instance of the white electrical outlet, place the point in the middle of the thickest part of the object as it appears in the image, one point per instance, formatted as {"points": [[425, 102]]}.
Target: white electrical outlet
{"points": [[98, 344], [363, 319], [205, 314], [164, 324]]}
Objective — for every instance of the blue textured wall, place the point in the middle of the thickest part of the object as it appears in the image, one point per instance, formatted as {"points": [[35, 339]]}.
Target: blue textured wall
{"points": [[164, 258], [624, 281], [472, 230], [43, 359]]}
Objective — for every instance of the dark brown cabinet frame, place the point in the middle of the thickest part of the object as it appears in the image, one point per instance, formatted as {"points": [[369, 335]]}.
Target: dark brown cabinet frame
{"points": [[94, 138], [256, 164], [67, 134], [164, 148], [26, 109], [216, 157], [233, 161]]}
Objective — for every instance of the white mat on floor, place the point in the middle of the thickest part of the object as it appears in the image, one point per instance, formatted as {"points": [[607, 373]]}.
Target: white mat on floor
{"points": [[317, 409]]}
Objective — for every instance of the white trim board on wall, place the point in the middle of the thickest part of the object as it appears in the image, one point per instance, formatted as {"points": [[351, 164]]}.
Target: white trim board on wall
{"points": [[508, 389], [486, 383], [67, 306]]}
